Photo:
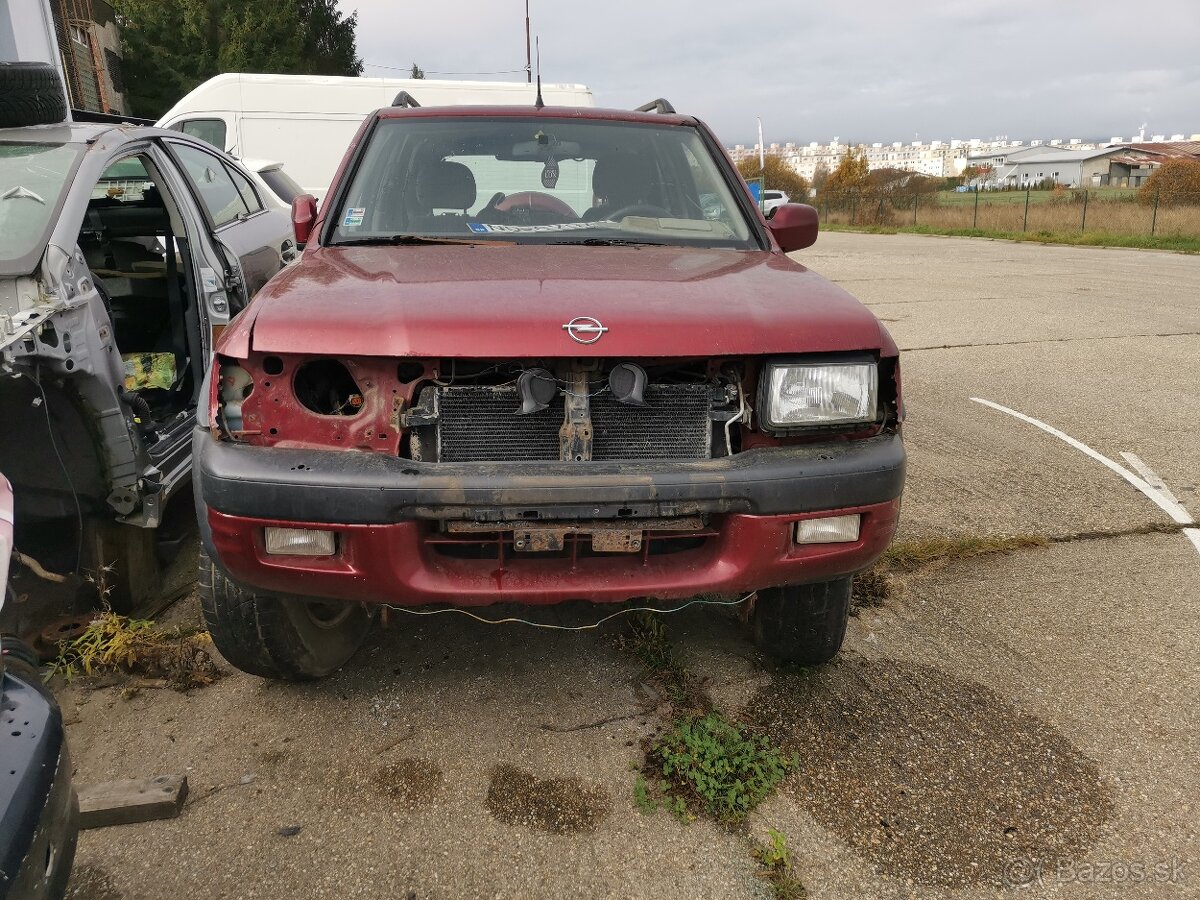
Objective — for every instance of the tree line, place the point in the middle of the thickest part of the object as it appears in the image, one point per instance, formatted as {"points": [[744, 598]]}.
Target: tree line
{"points": [[169, 48], [1175, 182]]}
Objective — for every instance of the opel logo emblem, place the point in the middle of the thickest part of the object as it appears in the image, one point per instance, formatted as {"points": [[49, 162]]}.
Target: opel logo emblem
{"points": [[585, 329]]}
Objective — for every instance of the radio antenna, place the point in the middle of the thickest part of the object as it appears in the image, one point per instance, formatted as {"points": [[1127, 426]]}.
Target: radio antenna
{"points": [[539, 103], [528, 61]]}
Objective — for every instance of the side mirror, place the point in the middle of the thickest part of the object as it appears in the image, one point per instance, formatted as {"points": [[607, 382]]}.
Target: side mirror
{"points": [[794, 226], [304, 215]]}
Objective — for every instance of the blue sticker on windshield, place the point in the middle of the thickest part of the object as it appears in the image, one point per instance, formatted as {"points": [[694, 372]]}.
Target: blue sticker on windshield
{"points": [[478, 227], [354, 216]]}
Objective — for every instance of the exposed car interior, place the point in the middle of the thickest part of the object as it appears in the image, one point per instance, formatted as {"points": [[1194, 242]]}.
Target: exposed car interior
{"points": [[136, 246]]}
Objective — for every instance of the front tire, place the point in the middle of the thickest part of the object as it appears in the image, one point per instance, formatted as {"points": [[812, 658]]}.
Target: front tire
{"points": [[802, 623], [289, 639]]}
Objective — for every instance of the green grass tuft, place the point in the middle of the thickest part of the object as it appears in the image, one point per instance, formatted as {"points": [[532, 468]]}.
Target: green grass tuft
{"points": [[878, 584], [649, 641], [909, 556], [776, 861]]}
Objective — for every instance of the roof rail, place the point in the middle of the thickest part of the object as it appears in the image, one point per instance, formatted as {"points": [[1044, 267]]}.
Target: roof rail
{"points": [[87, 115], [659, 106], [406, 100]]}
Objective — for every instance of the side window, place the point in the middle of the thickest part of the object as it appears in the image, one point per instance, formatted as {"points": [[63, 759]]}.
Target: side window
{"points": [[211, 130], [213, 183], [125, 180], [245, 189]]}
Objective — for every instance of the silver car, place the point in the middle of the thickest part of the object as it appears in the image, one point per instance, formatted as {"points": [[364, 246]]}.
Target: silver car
{"points": [[123, 252]]}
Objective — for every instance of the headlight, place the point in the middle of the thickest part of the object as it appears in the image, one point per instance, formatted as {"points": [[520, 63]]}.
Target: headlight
{"points": [[820, 394]]}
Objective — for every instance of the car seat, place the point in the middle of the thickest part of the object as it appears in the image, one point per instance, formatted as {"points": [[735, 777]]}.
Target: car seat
{"points": [[620, 180], [444, 193]]}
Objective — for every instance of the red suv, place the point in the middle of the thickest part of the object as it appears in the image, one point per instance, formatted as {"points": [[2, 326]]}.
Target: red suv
{"points": [[535, 355]]}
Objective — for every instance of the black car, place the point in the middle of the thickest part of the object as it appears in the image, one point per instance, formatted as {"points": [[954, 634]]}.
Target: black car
{"points": [[39, 813]]}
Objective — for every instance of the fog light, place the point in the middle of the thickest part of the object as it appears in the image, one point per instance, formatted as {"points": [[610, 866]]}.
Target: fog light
{"points": [[834, 530], [299, 542]]}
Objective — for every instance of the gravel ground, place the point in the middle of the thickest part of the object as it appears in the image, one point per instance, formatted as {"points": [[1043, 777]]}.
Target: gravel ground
{"points": [[931, 778], [1051, 691]]}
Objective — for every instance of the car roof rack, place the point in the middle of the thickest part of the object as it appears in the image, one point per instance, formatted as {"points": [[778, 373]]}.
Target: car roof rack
{"points": [[406, 100], [86, 115], [659, 106]]}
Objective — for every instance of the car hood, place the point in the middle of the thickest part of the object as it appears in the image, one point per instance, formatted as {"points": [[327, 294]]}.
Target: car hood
{"points": [[506, 301]]}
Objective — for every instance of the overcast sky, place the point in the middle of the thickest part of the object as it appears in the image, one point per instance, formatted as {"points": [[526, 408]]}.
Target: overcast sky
{"points": [[861, 70]]}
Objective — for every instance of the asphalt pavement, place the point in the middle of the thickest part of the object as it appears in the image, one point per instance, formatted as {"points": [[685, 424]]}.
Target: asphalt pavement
{"points": [[1011, 725]]}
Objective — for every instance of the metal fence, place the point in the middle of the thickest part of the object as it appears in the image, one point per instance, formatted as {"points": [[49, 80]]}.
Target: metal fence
{"points": [[1113, 211]]}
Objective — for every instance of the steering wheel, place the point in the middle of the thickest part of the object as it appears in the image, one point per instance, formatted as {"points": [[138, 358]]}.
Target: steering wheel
{"points": [[535, 200], [493, 204], [641, 209]]}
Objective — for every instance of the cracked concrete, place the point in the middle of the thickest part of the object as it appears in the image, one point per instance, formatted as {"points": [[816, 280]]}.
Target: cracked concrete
{"points": [[1099, 337]]}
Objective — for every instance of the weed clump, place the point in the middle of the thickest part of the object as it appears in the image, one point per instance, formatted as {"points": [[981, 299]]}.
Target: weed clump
{"points": [[871, 588], [776, 861], [878, 584], [114, 643], [910, 556], [709, 763], [649, 642]]}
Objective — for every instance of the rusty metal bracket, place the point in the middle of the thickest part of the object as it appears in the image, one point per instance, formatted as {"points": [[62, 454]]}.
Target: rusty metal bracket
{"points": [[614, 541], [575, 436]]}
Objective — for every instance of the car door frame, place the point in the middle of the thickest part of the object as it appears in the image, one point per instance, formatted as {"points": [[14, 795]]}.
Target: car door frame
{"points": [[254, 246], [141, 478]]}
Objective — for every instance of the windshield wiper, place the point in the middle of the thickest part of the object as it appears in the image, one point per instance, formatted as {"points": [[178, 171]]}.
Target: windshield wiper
{"points": [[612, 242], [400, 239]]}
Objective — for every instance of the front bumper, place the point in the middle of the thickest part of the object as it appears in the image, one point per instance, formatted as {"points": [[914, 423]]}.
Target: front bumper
{"points": [[388, 514], [361, 488], [39, 813]]}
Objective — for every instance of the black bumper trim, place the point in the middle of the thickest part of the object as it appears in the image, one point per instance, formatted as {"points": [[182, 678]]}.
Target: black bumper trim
{"points": [[356, 487]]}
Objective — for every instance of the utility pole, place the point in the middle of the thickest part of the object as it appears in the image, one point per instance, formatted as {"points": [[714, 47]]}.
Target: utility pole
{"points": [[528, 49], [762, 168]]}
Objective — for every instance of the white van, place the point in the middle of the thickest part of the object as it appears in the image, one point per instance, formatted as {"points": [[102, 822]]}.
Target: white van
{"points": [[307, 121]]}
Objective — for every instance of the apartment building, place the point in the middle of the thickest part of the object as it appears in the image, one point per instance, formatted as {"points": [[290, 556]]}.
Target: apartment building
{"points": [[938, 159], [89, 45]]}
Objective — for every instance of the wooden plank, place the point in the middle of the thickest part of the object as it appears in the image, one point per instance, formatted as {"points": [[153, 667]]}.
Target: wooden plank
{"points": [[131, 800]]}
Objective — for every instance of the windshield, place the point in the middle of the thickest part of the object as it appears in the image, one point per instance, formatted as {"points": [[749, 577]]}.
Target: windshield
{"points": [[281, 184], [33, 180], [539, 180]]}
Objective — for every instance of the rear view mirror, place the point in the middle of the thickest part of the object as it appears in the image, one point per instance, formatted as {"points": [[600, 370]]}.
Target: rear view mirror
{"points": [[304, 214], [794, 226], [544, 150]]}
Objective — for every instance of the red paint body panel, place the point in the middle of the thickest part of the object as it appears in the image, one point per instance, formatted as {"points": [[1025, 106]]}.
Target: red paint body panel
{"points": [[497, 301], [395, 563]]}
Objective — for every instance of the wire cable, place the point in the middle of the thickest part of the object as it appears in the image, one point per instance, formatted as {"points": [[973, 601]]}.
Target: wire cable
{"points": [[430, 72], [62, 463], [513, 620]]}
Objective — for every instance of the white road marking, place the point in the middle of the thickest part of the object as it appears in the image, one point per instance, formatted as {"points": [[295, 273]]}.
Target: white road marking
{"points": [[1147, 482], [1152, 478]]}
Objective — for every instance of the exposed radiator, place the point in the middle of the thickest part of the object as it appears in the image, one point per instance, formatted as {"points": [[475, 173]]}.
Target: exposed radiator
{"points": [[479, 424], [674, 424]]}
